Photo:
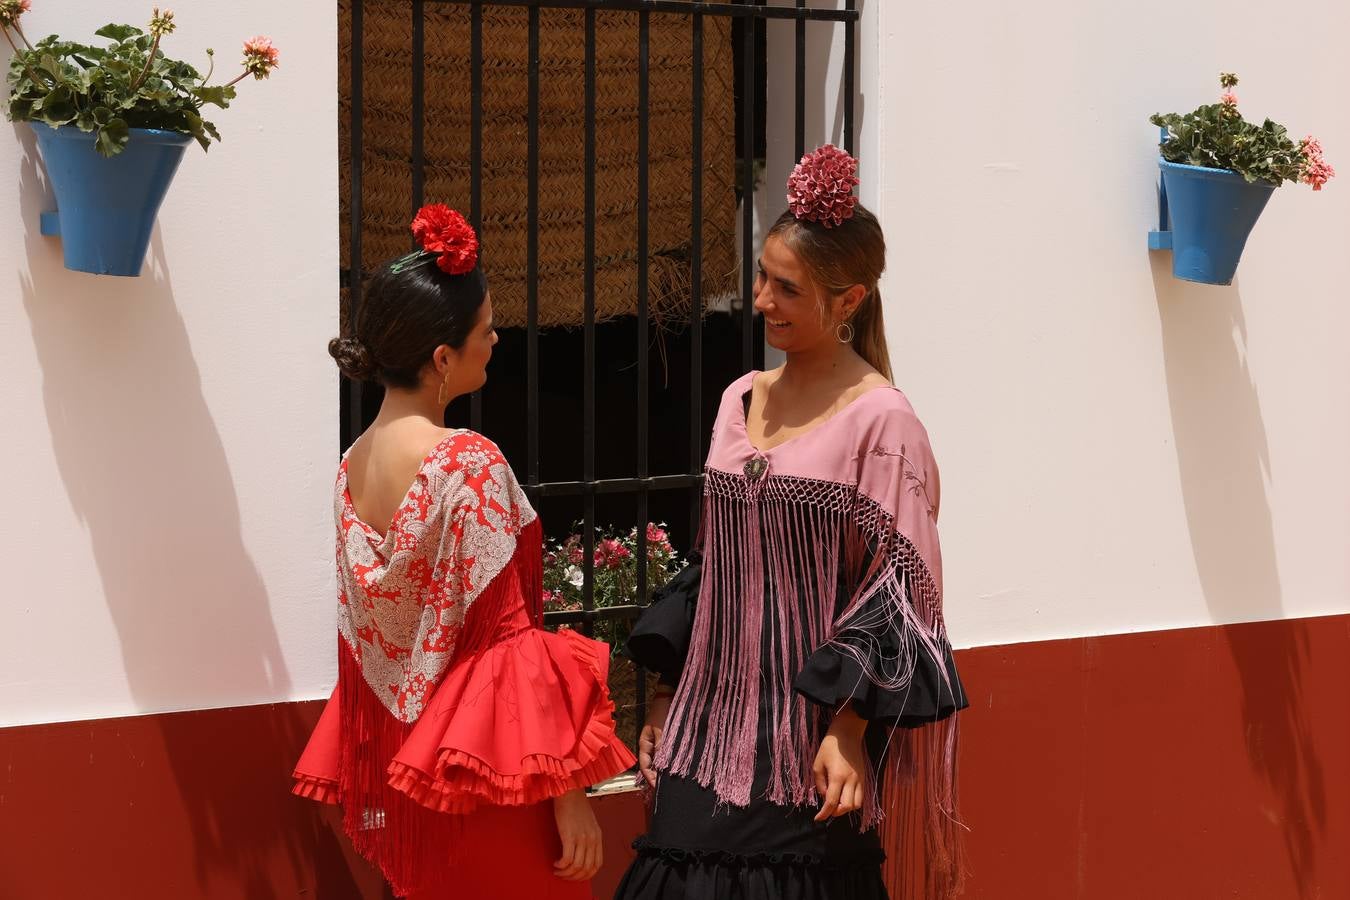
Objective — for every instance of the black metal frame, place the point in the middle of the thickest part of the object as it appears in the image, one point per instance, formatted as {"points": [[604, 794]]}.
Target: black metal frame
{"points": [[588, 486]]}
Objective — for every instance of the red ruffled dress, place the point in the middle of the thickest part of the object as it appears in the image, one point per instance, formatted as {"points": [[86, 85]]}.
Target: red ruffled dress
{"points": [[456, 717]]}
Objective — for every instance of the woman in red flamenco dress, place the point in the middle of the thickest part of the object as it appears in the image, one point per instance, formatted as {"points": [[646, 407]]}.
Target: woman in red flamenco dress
{"points": [[461, 735]]}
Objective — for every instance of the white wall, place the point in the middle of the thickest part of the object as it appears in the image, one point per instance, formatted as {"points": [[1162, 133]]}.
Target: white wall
{"points": [[168, 440], [1121, 451]]}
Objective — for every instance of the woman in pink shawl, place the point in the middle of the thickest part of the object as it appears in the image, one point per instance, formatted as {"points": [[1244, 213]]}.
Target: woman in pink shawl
{"points": [[804, 745]]}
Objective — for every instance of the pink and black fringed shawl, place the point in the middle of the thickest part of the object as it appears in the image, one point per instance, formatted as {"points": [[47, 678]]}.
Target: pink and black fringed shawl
{"points": [[821, 561]]}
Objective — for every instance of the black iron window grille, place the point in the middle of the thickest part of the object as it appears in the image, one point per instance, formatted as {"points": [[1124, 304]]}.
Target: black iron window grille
{"points": [[539, 453]]}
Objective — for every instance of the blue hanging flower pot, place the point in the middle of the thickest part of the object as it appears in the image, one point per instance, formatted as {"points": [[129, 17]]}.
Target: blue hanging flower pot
{"points": [[106, 207], [1211, 211]]}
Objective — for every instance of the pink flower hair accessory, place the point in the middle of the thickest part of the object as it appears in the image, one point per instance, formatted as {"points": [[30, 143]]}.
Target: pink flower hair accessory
{"points": [[820, 188]]}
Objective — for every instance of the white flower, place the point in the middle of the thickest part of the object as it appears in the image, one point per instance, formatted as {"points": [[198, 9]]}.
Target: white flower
{"points": [[574, 576], [474, 461]]}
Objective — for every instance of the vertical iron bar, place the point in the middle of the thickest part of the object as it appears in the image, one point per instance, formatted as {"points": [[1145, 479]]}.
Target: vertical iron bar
{"points": [[696, 278], [418, 104], [476, 116], [748, 196], [476, 163], [588, 386], [850, 36], [642, 290], [355, 271], [644, 83], [532, 257], [799, 69]]}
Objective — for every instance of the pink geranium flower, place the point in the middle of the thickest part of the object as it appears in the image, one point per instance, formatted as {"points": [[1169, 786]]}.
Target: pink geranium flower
{"points": [[10, 10], [260, 57], [1316, 170], [610, 554]]}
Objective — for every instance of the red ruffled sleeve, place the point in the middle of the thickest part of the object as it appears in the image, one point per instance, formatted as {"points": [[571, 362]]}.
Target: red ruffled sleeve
{"points": [[316, 774], [525, 720]]}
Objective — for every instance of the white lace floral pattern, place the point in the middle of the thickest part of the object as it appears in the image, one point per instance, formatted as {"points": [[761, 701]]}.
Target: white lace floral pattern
{"points": [[403, 596]]}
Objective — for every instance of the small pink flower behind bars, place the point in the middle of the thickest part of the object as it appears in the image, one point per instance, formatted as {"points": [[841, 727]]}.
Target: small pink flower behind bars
{"points": [[1316, 170], [615, 570]]}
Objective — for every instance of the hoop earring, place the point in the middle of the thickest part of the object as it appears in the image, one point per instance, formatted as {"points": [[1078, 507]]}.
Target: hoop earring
{"points": [[843, 332], [441, 397]]}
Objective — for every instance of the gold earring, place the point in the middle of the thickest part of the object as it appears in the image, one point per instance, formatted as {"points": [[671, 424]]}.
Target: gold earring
{"points": [[441, 397], [843, 332]]}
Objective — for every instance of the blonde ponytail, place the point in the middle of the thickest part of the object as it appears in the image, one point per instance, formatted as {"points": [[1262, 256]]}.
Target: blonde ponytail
{"points": [[869, 334]]}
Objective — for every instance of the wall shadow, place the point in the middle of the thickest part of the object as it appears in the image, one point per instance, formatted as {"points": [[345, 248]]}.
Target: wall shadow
{"points": [[1223, 459], [145, 472]]}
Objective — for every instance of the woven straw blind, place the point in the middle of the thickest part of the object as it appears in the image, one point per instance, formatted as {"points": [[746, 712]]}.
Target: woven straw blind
{"points": [[386, 167]]}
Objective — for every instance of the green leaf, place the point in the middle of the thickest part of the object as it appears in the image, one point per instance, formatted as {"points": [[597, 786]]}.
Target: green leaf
{"points": [[119, 33], [217, 95], [53, 68], [117, 65], [113, 137], [194, 123], [89, 57], [58, 107], [20, 110]]}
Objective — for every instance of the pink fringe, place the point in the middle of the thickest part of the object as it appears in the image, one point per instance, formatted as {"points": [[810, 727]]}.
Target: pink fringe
{"points": [[773, 549]]}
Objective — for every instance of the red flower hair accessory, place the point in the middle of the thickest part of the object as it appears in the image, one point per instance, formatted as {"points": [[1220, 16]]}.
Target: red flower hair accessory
{"points": [[820, 188], [445, 234]]}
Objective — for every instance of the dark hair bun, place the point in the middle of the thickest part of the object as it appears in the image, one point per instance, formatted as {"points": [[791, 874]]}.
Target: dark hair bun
{"points": [[352, 358]]}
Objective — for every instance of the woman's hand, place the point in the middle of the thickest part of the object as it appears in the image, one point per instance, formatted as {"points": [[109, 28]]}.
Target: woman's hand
{"points": [[582, 853], [840, 766], [650, 738]]}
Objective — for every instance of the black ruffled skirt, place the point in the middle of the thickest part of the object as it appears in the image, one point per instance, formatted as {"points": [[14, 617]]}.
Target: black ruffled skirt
{"points": [[676, 874], [700, 850]]}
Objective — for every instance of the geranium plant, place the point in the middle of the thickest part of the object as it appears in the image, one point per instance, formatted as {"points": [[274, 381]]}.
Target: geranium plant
{"points": [[1216, 136], [128, 84], [616, 571]]}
